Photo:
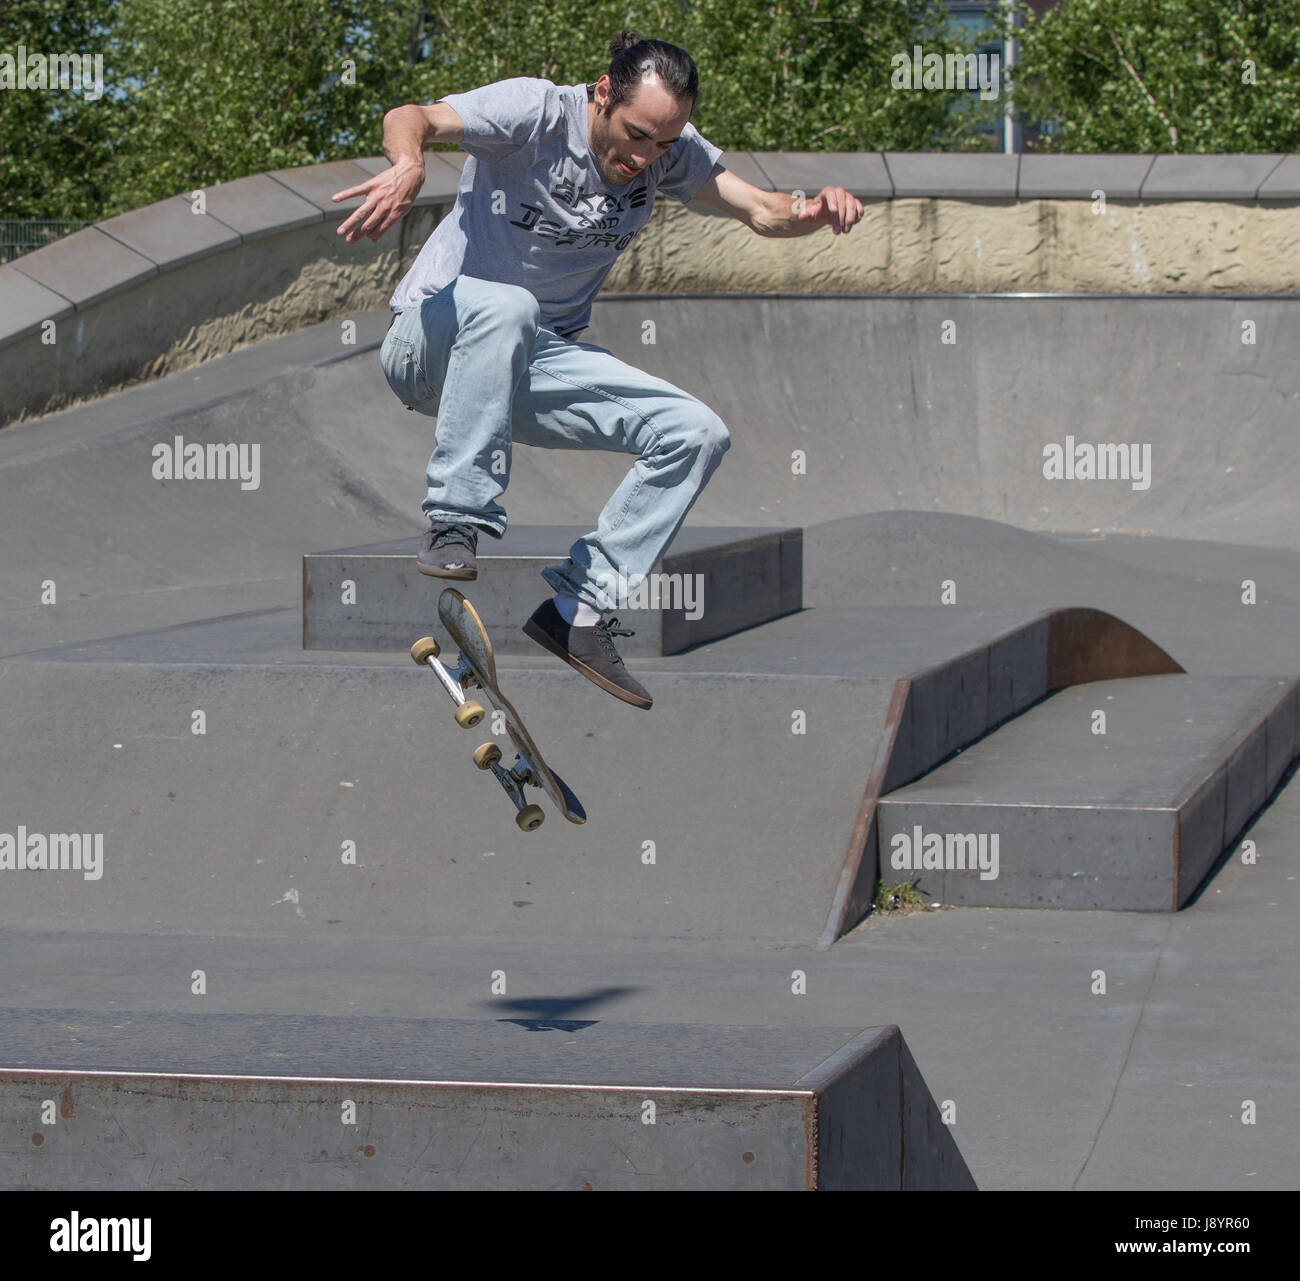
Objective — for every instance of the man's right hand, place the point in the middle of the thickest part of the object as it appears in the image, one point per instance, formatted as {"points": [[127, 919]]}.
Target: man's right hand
{"points": [[388, 196]]}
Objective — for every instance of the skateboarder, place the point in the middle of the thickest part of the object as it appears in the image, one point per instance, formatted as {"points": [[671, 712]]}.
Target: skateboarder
{"points": [[559, 180]]}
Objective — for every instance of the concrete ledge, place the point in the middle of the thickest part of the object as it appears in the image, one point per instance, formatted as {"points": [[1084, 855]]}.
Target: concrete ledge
{"points": [[1047, 177], [746, 165], [1132, 820], [259, 206], [863, 173], [317, 183], [26, 304], [947, 706], [86, 267], [441, 176], [1208, 177], [170, 234], [959, 175], [711, 583], [734, 1108], [1284, 182]]}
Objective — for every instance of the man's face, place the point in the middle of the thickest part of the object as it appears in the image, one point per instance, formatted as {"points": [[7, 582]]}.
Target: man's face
{"points": [[625, 140]]}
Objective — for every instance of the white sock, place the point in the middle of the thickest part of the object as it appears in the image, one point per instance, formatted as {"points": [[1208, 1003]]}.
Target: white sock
{"points": [[575, 612]]}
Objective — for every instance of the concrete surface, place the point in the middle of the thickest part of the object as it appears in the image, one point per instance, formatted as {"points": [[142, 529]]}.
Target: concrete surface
{"points": [[1053, 1081]]}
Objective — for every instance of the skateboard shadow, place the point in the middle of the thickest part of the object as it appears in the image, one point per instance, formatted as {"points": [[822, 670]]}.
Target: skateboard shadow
{"points": [[559, 1013]]}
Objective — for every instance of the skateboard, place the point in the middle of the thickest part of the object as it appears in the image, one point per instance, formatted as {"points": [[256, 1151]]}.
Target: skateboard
{"points": [[476, 668]]}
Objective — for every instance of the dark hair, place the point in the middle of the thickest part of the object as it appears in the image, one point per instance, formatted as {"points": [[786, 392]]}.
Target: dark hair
{"points": [[630, 57]]}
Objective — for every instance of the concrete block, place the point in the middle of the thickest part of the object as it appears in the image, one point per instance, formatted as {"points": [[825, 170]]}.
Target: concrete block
{"points": [[1071, 177], [1208, 177], [317, 183], [956, 175], [25, 305], [861, 172], [169, 233], [259, 206], [87, 267]]}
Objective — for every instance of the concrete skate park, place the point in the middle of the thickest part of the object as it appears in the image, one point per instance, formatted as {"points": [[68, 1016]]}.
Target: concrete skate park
{"points": [[317, 952]]}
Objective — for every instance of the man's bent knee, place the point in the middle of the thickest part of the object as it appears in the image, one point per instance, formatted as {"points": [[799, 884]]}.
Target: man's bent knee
{"points": [[714, 438], [696, 429], [513, 305]]}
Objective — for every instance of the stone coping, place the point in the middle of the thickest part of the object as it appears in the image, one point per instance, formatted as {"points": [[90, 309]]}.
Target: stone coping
{"points": [[91, 265]]}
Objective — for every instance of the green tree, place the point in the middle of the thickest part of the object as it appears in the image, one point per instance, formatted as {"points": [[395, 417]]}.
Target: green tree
{"points": [[1163, 75], [815, 75], [218, 89], [57, 147], [793, 75]]}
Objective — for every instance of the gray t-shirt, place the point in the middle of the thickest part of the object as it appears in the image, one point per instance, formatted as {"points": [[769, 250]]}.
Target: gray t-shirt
{"points": [[558, 225]]}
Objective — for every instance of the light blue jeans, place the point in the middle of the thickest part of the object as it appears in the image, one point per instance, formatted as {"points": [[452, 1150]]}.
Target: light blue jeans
{"points": [[474, 355]]}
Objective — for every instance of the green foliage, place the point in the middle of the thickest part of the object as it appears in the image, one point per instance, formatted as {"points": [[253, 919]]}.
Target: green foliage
{"points": [[1164, 75], [788, 75], [218, 89], [903, 897], [56, 148], [205, 91], [814, 75]]}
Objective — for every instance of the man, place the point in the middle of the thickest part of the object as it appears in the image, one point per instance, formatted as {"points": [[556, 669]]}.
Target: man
{"points": [[559, 180]]}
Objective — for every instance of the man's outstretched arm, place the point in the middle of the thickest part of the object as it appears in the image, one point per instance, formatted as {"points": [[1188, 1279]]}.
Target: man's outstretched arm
{"points": [[774, 213], [389, 195]]}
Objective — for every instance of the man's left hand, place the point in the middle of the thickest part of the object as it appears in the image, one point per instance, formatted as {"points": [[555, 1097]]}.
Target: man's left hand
{"points": [[833, 207]]}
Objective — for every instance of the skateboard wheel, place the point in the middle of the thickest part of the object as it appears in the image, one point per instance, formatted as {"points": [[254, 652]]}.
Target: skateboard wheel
{"points": [[469, 714], [530, 818], [485, 755], [424, 649]]}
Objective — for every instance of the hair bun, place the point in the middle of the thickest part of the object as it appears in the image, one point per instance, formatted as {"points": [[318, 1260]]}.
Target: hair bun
{"points": [[624, 40]]}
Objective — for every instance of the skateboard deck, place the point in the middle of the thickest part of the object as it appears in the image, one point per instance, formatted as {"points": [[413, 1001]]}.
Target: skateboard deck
{"points": [[476, 668]]}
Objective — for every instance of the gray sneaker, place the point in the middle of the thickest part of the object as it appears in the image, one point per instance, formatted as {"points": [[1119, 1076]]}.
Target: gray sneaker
{"points": [[448, 551], [589, 650]]}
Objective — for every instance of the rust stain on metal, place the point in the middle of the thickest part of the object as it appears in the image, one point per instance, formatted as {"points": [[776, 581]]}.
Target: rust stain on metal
{"points": [[843, 918], [809, 1117], [38, 1138], [747, 1158], [369, 1149], [1086, 645], [66, 1107], [1178, 852]]}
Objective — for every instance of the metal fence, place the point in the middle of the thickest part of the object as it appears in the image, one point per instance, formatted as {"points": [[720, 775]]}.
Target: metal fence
{"points": [[19, 236]]}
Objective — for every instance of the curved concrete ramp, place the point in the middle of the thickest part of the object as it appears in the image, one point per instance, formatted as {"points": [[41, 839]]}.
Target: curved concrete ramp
{"points": [[947, 404], [886, 415], [741, 806]]}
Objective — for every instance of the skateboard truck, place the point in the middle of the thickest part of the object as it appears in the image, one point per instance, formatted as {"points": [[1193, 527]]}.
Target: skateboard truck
{"points": [[469, 713], [476, 669]]}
